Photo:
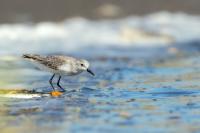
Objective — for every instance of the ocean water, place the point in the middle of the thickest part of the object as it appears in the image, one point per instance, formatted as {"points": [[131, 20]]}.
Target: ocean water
{"points": [[147, 76]]}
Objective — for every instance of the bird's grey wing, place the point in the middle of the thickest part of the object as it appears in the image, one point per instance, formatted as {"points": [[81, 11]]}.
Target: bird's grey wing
{"points": [[53, 62]]}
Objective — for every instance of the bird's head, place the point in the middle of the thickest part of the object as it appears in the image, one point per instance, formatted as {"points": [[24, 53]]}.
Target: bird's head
{"points": [[83, 65]]}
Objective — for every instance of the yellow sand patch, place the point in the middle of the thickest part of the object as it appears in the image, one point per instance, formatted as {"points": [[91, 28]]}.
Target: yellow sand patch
{"points": [[14, 91], [20, 93]]}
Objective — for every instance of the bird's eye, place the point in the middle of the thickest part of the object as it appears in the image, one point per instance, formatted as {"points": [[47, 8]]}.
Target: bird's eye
{"points": [[82, 65]]}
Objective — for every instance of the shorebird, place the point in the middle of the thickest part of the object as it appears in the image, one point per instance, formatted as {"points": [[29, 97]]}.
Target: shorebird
{"points": [[59, 65]]}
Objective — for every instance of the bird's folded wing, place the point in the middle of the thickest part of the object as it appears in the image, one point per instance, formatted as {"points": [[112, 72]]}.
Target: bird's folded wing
{"points": [[53, 62]]}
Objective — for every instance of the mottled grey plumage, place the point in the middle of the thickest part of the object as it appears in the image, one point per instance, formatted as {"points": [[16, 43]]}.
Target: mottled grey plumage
{"points": [[53, 62], [60, 65]]}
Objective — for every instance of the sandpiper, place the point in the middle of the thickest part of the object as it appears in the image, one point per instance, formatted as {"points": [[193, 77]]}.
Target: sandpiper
{"points": [[59, 65]]}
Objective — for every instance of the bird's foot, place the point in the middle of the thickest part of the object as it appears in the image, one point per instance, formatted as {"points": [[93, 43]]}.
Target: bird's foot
{"points": [[62, 90]]}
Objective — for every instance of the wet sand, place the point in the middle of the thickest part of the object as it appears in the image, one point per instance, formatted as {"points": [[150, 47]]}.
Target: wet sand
{"points": [[142, 94]]}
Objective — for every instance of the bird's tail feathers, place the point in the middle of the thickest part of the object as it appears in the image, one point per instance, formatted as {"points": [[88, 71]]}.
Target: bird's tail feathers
{"points": [[31, 56]]}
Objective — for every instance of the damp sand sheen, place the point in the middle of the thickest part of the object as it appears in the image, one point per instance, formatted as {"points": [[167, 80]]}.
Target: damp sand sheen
{"points": [[21, 94]]}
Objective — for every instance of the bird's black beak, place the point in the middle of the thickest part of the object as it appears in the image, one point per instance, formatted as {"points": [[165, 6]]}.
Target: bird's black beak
{"points": [[88, 70]]}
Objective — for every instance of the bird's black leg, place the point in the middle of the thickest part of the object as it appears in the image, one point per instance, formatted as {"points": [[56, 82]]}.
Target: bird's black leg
{"points": [[58, 83], [50, 81]]}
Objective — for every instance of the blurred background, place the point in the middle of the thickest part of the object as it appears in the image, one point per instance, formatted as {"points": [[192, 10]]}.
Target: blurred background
{"points": [[145, 54], [51, 10], [129, 23]]}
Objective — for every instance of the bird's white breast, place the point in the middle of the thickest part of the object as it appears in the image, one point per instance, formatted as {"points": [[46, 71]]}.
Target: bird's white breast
{"points": [[68, 69]]}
